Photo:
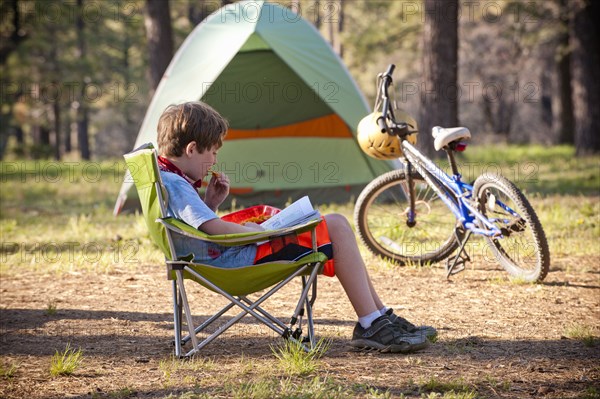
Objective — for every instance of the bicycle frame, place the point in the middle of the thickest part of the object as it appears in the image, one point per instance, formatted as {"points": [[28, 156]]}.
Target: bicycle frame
{"points": [[461, 193], [456, 194]]}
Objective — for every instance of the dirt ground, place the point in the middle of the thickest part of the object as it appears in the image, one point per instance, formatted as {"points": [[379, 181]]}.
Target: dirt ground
{"points": [[505, 340]]}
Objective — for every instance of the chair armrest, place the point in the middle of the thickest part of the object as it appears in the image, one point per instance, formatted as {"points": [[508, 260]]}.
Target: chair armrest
{"points": [[230, 240]]}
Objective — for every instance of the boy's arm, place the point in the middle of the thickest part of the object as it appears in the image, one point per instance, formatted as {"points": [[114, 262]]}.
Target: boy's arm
{"points": [[217, 227], [186, 205]]}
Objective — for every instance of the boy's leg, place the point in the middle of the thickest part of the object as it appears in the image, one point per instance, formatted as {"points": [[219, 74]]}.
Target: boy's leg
{"points": [[379, 333], [350, 268], [378, 301]]}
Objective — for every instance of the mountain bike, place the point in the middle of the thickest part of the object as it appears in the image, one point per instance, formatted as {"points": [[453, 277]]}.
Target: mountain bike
{"points": [[420, 214]]}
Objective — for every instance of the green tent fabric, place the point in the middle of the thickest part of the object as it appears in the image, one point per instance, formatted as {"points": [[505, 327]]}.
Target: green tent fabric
{"points": [[291, 103]]}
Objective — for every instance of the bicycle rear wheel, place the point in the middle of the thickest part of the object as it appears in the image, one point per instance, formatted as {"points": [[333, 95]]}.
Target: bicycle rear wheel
{"points": [[523, 249], [381, 214]]}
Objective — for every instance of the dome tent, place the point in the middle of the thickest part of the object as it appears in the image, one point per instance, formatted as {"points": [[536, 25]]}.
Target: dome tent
{"points": [[291, 104]]}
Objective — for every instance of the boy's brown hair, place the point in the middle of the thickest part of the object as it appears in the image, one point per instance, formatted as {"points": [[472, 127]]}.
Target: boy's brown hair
{"points": [[180, 124]]}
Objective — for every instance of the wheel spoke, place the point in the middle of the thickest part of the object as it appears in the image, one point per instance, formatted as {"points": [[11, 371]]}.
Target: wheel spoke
{"points": [[522, 249], [382, 215]]}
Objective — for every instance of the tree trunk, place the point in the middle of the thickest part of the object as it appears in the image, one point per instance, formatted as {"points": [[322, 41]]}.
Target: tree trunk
{"points": [[547, 89], [340, 48], [13, 36], [16, 35], [586, 76], [44, 133], [56, 112], [55, 71], [331, 29], [19, 135], [564, 122], [159, 35], [67, 124], [439, 91], [82, 108], [197, 11], [317, 16], [83, 122]]}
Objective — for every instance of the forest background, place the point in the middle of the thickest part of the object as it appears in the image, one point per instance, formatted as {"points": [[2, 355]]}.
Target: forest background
{"points": [[76, 76]]}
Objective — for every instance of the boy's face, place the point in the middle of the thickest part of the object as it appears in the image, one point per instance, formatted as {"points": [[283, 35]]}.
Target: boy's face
{"points": [[201, 162]]}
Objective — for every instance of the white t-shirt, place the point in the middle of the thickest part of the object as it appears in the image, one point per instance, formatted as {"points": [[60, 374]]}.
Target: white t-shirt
{"points": [[186, 205]]}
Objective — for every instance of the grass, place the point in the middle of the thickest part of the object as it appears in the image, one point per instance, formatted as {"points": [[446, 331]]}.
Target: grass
{"points": [[450, 395], [509, 280], [8, 371], [272, 386], [51, 308], [79, 232], [591, 393], [294, 360], [582, 333], [536, 169], [122, 393], [288, 388], [188, 370], [454, 389], [66, 362], [195, 364]]}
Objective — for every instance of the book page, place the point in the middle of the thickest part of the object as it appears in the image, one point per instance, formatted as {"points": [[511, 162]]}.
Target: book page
{"points": [[297, 213]]}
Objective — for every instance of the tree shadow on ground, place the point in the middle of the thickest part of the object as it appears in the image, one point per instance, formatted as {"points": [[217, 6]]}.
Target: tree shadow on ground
{"points": [[34, 332]]}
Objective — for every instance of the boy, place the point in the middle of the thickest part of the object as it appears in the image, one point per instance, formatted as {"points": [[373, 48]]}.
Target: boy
{"points": [[189, 138]]}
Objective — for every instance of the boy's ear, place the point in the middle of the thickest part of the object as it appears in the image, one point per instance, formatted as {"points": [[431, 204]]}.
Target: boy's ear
{"points": [[190, 148]]}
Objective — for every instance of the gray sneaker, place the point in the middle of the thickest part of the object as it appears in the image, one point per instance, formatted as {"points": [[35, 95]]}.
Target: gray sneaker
{"points": [[409, 327], [385, 337]]}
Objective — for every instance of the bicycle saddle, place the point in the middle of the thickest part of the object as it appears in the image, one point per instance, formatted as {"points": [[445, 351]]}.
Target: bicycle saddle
{"points": [[444, 136]]}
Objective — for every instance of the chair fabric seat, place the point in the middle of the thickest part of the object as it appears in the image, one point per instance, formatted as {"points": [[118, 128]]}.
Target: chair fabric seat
{"points": [[250, 279]]}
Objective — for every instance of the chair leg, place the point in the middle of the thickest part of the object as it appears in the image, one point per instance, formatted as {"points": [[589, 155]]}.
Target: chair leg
{"points": [[186, 308], [252, 309], [305, 304], [264, 313], [208, 322], [310, 324], [177, 319], [248, 307], [309, 318]]}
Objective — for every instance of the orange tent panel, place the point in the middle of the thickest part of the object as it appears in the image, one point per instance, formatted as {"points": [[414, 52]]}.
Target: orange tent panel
{"points": [[325, 126]]}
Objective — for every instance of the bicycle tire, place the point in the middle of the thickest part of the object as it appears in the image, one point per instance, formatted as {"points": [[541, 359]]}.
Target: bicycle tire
{"points": [[523, 249], [433, 237]]}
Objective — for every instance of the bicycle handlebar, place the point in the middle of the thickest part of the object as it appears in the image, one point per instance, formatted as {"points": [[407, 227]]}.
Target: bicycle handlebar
{"points": [[390, 70], [385, 84], [387, 113]]}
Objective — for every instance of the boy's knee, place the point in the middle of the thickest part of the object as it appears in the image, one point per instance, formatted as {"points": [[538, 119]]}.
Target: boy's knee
{"points": [[335, 221]]}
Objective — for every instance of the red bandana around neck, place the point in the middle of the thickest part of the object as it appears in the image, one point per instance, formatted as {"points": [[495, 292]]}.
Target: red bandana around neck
{"points": [[167, 166]]}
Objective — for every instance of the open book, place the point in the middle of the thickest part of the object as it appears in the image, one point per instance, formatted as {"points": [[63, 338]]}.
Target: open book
{"points": [[297, 213]]}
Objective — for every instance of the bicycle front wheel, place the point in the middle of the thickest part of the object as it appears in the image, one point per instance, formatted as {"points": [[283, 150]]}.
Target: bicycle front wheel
{"points": [[381, 216], [523, 249]]}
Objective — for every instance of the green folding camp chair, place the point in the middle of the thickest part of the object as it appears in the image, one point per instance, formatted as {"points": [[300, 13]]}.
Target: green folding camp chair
{"points": [[235, 284]]}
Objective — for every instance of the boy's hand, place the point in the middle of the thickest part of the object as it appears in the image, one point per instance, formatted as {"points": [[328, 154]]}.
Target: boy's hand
{"points": [[217, 190]]}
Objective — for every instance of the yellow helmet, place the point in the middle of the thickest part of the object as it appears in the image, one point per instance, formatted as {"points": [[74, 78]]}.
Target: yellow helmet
{"points": [[382, 145]]}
